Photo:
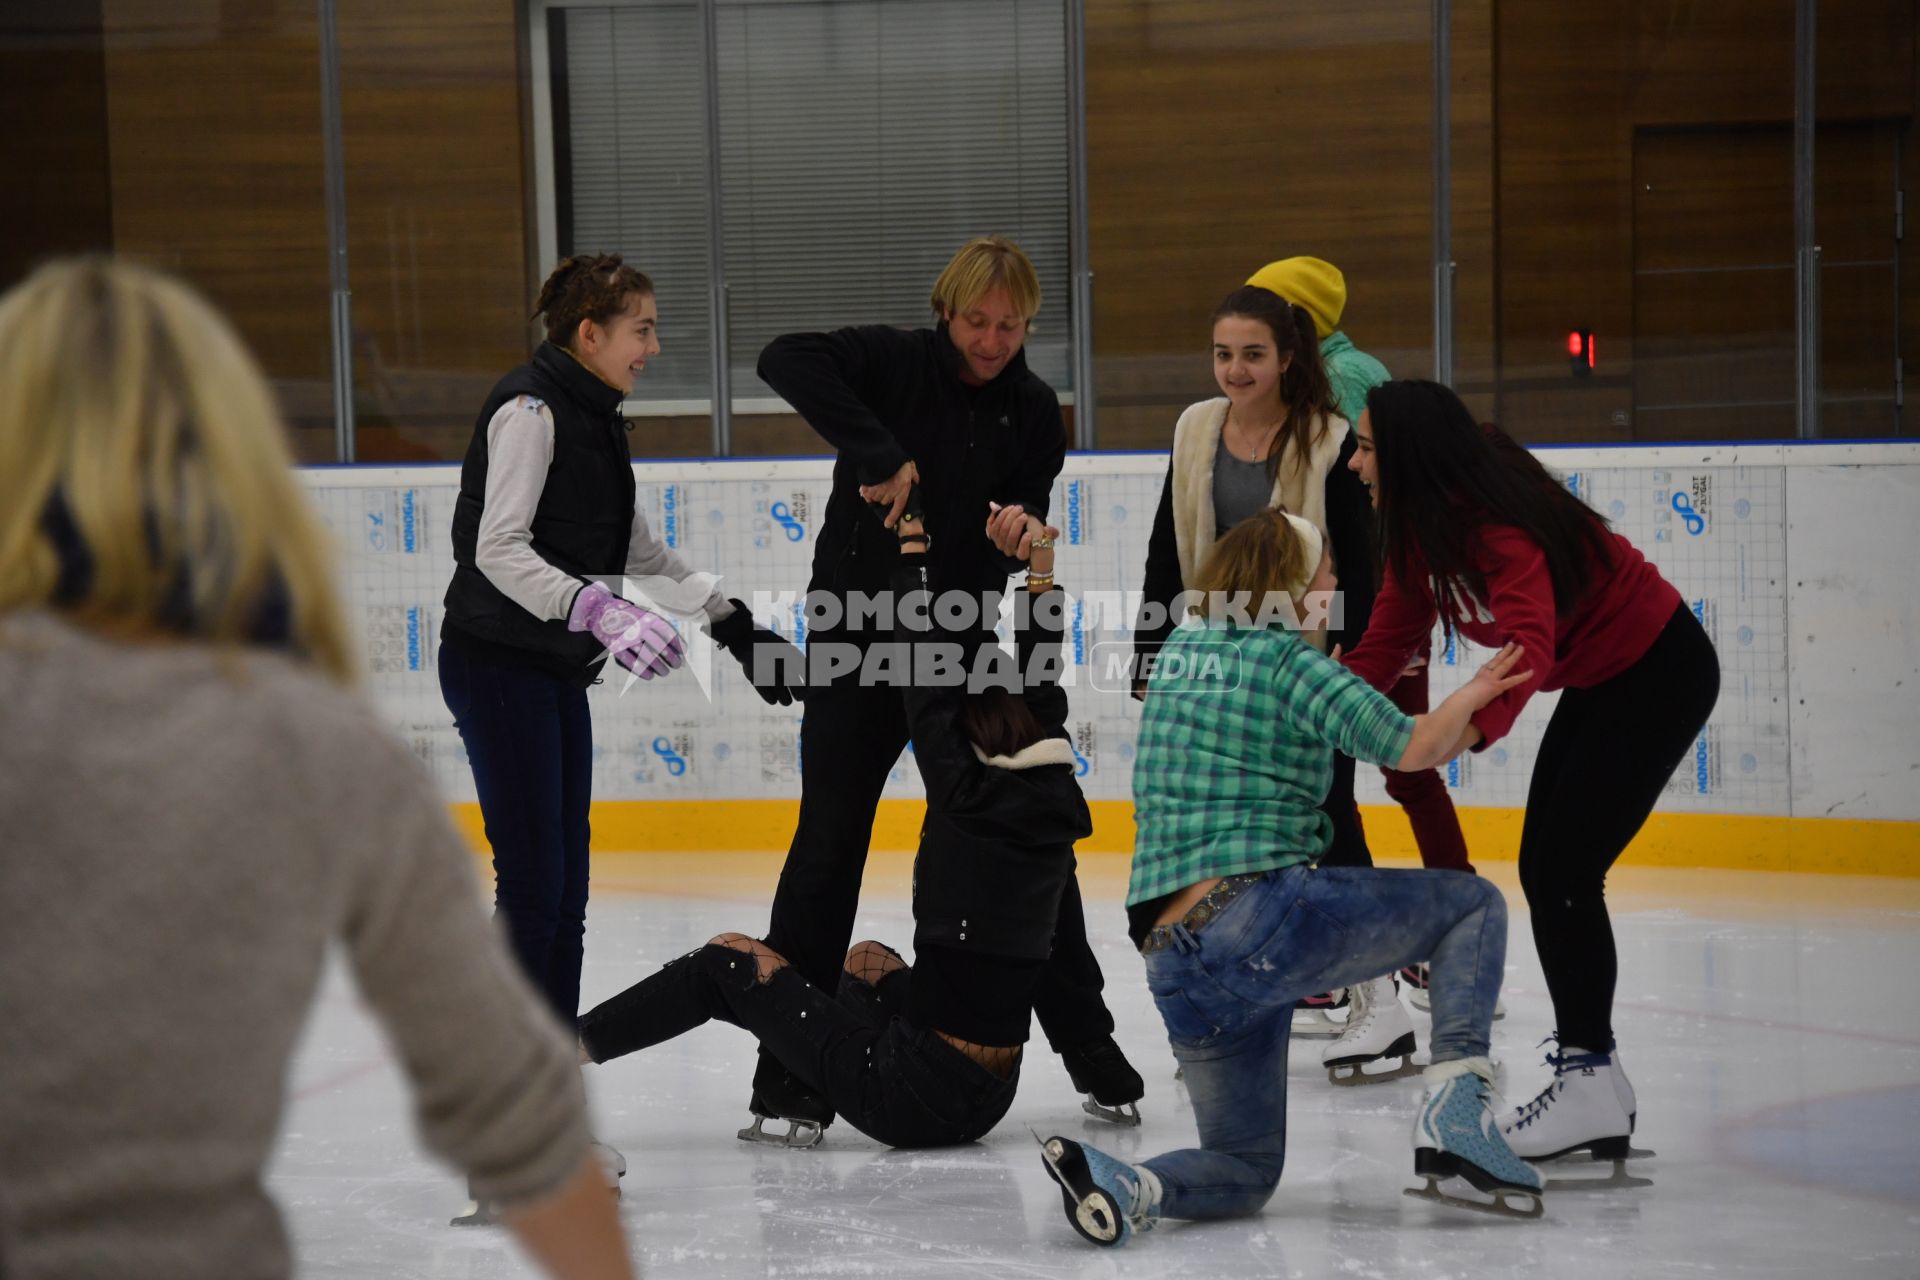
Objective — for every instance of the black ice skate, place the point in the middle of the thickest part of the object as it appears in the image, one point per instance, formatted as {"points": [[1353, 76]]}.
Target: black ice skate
{"points": [[1110, 1085], [807, 1115]]}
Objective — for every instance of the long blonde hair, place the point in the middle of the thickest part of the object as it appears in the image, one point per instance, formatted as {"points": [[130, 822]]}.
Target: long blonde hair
{"points": [[1271, 552], [130, 405]]}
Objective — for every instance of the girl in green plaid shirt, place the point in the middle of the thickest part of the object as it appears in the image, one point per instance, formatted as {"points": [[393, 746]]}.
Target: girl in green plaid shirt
{"points": [[1238, 921]]}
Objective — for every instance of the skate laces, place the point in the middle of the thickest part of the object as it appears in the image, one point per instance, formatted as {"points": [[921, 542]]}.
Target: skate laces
{"points": [[1563, 1064], [1362, 1009], [1103, 1166]]}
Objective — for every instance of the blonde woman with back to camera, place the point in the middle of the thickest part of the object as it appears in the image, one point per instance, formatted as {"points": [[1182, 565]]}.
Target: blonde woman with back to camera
{"points": [[197, 803]]}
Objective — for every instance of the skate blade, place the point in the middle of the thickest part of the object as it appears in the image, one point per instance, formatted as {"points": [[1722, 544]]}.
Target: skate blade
{"points": [[1599, 1151], [1618, 1180], [1502, 1205], [1357, 1074], [479, 1214], [1091, 1211], [800, 1134], [1127, 1113], [1315, 1027]]}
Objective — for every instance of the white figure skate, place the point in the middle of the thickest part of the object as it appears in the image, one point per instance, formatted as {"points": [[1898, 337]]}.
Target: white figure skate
{"points": [[1377, 1029], [1586, 1115]]}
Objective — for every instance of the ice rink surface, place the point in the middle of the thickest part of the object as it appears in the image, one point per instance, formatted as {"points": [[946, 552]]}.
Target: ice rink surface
{"points": [[1770, 1022]]}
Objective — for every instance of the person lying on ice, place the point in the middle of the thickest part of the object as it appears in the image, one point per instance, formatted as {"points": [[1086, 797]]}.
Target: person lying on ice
{"points": [[927, 1055]]}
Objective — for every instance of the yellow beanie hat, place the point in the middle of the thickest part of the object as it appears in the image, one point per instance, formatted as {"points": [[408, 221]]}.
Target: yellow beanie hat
{"points": [[1313, 283]]}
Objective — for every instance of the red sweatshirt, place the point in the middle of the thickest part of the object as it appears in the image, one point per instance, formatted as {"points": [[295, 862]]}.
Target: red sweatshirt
{"points": [[1608, 631]]}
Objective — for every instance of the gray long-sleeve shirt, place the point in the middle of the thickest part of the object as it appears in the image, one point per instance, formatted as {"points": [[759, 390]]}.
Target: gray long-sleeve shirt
{"points": [[519, 454], [182, 835]]}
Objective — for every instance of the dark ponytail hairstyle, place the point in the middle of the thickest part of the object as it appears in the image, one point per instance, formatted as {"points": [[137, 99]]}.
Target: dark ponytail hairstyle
{"points": [[594, 286], [1443, 476], [1304, 387]]}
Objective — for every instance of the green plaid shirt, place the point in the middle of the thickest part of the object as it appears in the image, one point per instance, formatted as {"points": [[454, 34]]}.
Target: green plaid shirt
{"points": [[1236, 754]]}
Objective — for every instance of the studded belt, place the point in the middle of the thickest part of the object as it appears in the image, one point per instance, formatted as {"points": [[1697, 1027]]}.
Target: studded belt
{"points": [[1209, 906]]}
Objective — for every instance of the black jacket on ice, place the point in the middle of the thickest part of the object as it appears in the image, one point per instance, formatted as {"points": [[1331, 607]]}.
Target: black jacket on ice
{"points": [[882, 396], [996, 847]]}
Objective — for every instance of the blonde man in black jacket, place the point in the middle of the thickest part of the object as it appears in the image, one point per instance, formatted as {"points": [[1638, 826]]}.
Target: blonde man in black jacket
{"points": [[953, 415]]}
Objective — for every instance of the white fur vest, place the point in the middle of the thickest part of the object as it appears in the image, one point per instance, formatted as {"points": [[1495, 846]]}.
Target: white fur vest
{"points": [[1301, 486]]}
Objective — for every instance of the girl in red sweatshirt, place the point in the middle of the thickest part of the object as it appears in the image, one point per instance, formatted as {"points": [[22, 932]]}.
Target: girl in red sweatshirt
{"points": [[1477, 534]]}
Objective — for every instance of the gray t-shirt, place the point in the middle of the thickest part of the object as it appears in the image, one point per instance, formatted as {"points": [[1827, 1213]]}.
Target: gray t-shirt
{"points": [[1240, 488], [183, 835]]}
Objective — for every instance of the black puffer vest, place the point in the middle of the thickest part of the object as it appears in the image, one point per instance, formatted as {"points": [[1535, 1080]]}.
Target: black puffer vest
{"points": [[581, 526]]}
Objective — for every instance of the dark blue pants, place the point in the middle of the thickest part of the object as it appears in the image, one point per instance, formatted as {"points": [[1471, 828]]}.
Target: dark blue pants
{"points": [[529, 738]]}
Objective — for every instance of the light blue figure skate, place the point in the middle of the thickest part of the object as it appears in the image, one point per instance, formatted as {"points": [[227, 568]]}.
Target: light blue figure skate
{"points": [[1456, 1139], [1101, 1194]]}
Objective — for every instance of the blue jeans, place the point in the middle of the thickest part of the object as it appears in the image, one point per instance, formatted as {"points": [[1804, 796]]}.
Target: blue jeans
{"points": [[1227, 991], [529, 738]]}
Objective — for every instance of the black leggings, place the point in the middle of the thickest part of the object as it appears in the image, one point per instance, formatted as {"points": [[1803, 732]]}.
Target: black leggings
{"points": [[1607, 754], [893, 1081]]}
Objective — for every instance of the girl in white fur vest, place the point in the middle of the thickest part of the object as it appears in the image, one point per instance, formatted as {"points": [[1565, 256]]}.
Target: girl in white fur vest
{"points": [[1271, 439]]}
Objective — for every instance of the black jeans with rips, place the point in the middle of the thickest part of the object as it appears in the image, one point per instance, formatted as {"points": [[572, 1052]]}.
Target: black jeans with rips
{"points": [[896, 1082]]}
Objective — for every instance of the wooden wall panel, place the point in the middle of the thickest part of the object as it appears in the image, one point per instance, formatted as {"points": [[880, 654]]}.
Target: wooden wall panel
{"points": [[1580, 91], [437, 202], [214, 119], [1564, 217], [1475, 335], [214, 110], [1225, 133], [1910, 278], [53, 99]]}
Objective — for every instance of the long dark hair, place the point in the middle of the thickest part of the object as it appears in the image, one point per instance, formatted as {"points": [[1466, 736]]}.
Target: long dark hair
{"points": [[999, 722], [1443, 476], [1304, 387]]}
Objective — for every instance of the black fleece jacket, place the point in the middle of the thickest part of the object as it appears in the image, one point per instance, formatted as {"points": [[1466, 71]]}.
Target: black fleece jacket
{"points": [[996, 848]]}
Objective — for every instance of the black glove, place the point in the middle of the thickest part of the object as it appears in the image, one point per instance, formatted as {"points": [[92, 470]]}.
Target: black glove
{"points": [[914, 510], [774, 666]]}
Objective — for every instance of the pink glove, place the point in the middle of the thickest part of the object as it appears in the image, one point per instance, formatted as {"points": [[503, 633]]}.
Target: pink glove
{"points": [[641, 641]]}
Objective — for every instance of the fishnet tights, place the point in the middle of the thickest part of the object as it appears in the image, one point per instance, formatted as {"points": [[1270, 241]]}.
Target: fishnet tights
{"points": [[769, 960]]}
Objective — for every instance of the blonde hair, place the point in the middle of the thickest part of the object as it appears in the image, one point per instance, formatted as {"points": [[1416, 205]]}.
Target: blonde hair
{"points": [[1272, 551], [131, 405], [984, 264]]}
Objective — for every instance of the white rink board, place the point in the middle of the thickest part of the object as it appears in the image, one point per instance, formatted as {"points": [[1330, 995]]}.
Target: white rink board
{"points": [[1715, 519]]}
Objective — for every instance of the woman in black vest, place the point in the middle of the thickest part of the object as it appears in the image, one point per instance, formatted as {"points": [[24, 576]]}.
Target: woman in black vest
{"points": [[543, 532]]}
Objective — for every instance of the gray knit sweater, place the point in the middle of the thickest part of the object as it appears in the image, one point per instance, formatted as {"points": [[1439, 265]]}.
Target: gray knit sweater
{"points": [[182, 836]]}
